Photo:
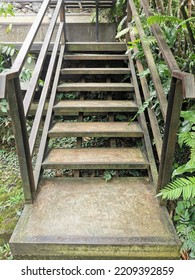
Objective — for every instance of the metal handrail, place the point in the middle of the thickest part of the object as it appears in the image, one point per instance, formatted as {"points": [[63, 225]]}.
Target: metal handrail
{"points": [[11, 90], [187, 78], [182, 86], [21, 57]]}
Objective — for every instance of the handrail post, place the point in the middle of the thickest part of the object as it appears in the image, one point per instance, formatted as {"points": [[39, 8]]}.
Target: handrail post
{"points": [[16, 110], [97, 20], [129, 12], [63, 19], [170, 135]]}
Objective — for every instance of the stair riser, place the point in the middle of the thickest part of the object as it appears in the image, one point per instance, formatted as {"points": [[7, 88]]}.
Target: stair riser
{"points": [[101, 252], [93, 111], [95, 134], [87, 88], [95, 47], [94, 166], [95, 71], [95, 57]]}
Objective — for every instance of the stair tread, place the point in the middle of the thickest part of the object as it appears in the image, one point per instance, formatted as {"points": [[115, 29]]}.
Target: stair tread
{"points": [[96, 87], [92, 158], [95, 71], [71, 212], [95, 57], [96, 46], [96, 106], [94, 129]]}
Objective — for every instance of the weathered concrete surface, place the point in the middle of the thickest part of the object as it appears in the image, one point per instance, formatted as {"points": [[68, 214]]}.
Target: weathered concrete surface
{"points": [[89, 218], [79, 28]]}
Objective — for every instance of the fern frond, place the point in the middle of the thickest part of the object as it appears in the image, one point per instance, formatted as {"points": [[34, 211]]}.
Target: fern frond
{"points": [[192, 154], [187, 138], [122, 32], [183, 23], [184, 187], [142, 108], [189, 116], [158, 18], [151, 40], [122, 22]]}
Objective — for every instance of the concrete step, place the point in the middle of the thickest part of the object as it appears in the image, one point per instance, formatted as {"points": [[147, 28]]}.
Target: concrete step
{"points": [[94, 106], [95, 158], [103, 87], [88, 71], [95, 57], [88, 218], [95, 129]]}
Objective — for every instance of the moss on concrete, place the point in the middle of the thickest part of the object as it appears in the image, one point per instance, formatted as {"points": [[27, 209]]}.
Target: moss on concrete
{"points": [[11, 196]]}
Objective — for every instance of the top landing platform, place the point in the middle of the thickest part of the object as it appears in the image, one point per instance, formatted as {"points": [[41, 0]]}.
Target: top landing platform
{"points": [[79, 27], [88, 218]]}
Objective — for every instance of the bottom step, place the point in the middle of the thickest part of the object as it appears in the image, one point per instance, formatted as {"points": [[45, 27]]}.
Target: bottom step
{"points": [[87, 218]]}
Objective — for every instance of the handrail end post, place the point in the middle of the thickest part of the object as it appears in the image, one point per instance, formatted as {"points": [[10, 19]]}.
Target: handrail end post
{"points": [[3, 81]]}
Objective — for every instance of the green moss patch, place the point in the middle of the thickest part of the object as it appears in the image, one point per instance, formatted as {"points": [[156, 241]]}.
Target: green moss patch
{"points": [[11, 195]]}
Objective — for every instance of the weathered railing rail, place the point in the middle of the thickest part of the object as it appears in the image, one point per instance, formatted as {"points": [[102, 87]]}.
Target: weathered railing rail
{"points": [[11, 90], [182, 86]]}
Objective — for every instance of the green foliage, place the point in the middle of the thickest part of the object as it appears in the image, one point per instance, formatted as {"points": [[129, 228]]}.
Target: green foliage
{"points": [[6, 9], [118, 10], [142, 108], [6, 132], [185, 224], [26, 74], [108, 174], [11, 197], [122, 22], [6, 52], [5, 252], [3, 106], [186, 138], [162, 19], [122, 32], [181, 187]]}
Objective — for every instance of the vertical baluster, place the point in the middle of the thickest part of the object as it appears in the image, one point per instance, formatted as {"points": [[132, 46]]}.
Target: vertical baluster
{"points": [[170, 135], [14, 97], [97, 20], [63, 19]]}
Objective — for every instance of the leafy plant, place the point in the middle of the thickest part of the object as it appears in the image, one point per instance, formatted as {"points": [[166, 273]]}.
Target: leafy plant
{"points": [[186, 138], [6, 9], [7, 136], [184, 218], [142, 108], [5, 252], [162, 19], [181, 187], [3, 106], [108, 174]]}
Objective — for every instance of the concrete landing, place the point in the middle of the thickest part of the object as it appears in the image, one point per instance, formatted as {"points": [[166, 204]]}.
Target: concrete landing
{"points": [[87, 218], [79, 28]]}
